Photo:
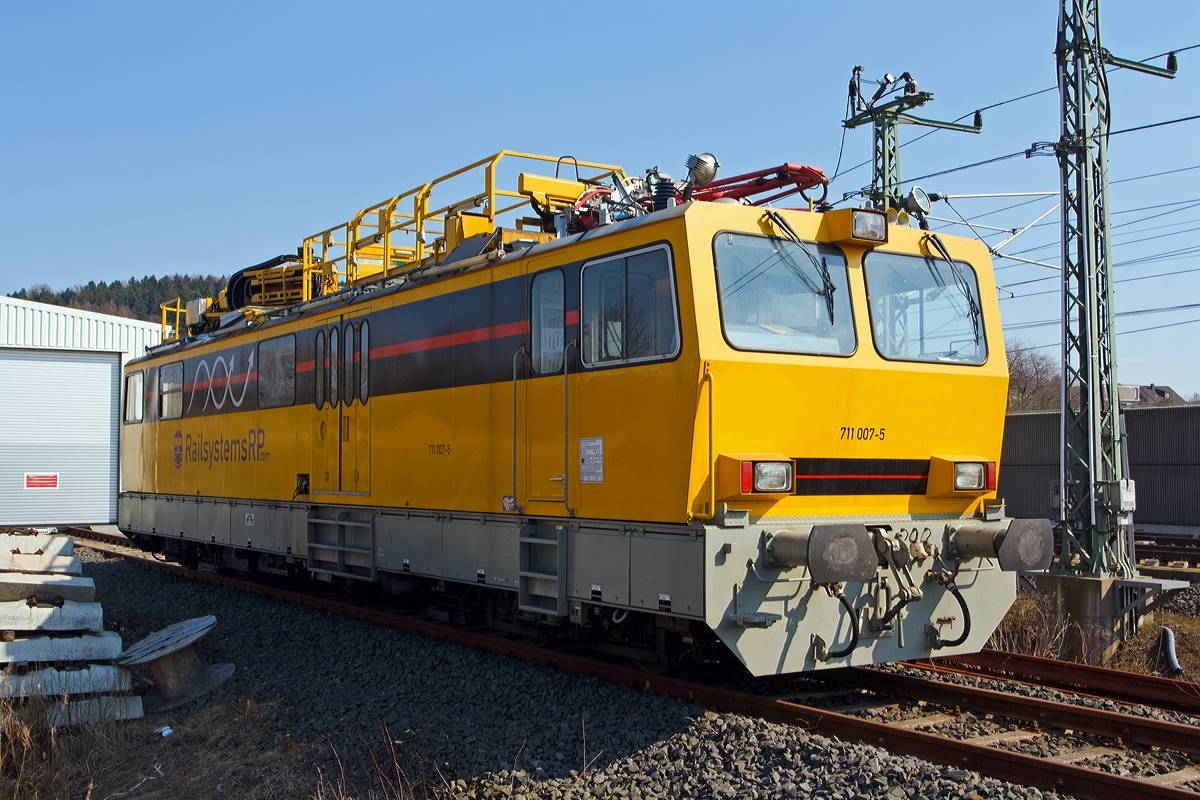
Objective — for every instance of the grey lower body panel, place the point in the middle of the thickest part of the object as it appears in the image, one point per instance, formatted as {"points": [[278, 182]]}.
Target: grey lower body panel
{"points": [[654, 568], [774, 619]]}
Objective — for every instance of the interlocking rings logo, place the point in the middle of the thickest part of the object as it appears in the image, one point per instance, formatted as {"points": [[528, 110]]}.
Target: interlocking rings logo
{"points": [[213, 389]]}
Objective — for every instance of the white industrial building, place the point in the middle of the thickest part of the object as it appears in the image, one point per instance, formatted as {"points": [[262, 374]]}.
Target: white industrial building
{"points": [[60, 398]]}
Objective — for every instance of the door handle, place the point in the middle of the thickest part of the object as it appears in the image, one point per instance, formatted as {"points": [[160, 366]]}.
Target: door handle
{"points": [[346, 428], [322, 430]]}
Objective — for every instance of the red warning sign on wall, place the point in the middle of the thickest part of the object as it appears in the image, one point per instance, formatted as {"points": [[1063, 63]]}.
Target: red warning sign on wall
{"points": [[41, 480]]}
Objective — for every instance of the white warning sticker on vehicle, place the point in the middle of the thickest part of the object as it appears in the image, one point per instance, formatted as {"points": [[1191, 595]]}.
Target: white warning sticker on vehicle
{"points": [[591, 460]]}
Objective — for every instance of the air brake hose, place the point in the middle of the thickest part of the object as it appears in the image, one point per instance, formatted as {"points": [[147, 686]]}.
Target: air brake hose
{"points": [[938, 642], [896, 609], [849, 648]]}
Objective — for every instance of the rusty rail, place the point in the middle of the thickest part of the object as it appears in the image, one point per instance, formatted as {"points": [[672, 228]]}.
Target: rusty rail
{"points": [[1112, 684], [1016, 768], [1110, 724]]}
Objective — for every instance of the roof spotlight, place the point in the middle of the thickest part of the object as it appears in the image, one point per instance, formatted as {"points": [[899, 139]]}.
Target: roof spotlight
{"points": [[917, 202], [702, 169]]}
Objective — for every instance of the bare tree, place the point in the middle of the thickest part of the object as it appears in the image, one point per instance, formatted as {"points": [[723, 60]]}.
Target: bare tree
{"points": [[1035, 381]]}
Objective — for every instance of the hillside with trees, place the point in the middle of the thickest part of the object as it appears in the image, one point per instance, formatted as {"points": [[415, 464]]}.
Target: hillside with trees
{"points": [[139, 299]]}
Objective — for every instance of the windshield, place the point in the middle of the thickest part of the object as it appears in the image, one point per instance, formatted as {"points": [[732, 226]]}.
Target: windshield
{"points": [[920, 309], [775, 298]]}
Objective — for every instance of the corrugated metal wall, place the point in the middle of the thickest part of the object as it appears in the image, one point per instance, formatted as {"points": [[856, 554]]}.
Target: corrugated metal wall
{"points": [[1029, 463], [1164, 461], [60, 374], [37, 325], [60, 418]]}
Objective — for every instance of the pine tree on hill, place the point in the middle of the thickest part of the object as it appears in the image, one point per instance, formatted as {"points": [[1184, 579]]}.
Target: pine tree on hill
{"points": [[135, 299]]}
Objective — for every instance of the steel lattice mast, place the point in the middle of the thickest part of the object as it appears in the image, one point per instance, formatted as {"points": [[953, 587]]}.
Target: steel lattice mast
{"points": [[1096, 499], [886, 190]]}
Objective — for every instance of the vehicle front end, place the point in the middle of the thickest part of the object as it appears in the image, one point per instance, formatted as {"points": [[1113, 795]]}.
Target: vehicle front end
{"points": [[851, 407]]}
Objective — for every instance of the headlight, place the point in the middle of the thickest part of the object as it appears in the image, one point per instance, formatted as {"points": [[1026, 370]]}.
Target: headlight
{"points": [[772, 476], [968, 476], [869, 225]]}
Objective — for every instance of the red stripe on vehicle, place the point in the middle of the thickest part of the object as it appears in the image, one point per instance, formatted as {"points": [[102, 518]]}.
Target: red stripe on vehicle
{"points": [[873, 477], [452, 339], [306, 366], [573, 317]]}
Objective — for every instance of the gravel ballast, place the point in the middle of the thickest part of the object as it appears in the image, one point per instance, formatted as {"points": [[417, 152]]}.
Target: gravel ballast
{"points": [[1186, 602], [492, 726]]}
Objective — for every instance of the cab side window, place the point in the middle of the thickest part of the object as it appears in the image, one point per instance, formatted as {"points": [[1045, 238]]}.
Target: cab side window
{"points": [[629, 309], [170, 391], [135, 402], [547, 327], [277, 372]]}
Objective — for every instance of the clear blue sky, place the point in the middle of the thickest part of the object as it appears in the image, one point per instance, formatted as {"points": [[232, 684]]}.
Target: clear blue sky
{"points": [[153, 138]]}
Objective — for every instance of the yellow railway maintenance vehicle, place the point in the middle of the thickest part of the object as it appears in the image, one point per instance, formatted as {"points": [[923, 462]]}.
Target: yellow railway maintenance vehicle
{"points": [[658, 416]]}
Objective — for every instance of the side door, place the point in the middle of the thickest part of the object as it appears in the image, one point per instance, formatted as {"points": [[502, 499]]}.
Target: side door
{"points": [[355, 430], [545, 407], [326, 457]]}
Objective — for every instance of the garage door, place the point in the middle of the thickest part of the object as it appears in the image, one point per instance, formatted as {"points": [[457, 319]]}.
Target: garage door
{"points": [[58, 437]]}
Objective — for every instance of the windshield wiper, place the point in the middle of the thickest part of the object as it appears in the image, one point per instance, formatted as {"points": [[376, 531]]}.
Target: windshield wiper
{"points": [[822, 268], [935, 245]]}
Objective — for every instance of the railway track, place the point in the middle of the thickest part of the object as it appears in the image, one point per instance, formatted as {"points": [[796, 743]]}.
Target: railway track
{"points": [[936, 701], [1169, 549]]}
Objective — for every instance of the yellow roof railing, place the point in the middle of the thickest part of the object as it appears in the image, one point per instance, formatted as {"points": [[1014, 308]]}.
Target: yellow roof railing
{"points": [[177, 308], [398, 234]]}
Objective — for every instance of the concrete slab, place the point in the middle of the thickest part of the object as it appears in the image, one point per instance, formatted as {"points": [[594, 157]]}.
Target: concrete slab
{"points": [[21, 585], [96, 709], [104, 646], [19, 562], [50, 682], [18, 615], [33, 543]]}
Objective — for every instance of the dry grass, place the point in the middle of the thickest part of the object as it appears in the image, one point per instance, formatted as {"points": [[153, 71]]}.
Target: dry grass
{"points": [[40, 761], [217, 749], [1144, 653], [394, 781], [1032, 628]]}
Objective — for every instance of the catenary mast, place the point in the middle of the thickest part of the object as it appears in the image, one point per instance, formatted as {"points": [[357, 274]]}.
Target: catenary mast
{"points": [[1096, 499]]}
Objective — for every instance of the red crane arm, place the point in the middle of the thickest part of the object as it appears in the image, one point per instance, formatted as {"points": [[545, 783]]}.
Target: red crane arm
{"points": [[795, 176]]}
